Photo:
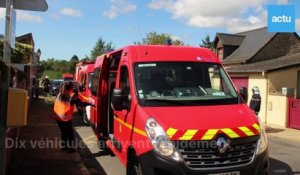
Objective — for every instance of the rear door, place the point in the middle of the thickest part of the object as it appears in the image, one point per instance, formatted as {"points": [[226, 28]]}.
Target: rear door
{"points": [[93, 98], [123, 119]]}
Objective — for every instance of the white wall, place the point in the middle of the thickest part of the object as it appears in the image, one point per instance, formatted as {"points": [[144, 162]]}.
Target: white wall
{"points": [[277, 111]]}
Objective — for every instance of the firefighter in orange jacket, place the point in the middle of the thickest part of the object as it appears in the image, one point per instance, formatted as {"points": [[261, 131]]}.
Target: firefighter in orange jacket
{"points": [[64, 107]]}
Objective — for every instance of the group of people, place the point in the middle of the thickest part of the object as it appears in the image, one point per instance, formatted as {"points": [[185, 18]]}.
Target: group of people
{"points": [[36, 85]]}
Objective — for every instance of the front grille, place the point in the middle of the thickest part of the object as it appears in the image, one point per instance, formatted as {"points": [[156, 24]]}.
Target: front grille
{"points": [[205, 154]]}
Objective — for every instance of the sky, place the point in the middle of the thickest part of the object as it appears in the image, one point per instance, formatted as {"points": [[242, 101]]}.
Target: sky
{"points": [[72, 27]]}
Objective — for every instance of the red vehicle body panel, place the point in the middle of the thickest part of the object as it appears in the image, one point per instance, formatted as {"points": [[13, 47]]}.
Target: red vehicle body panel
{"points": [[82, 75], [83, 79], [67, 76], [95, 116], [129, 126]]}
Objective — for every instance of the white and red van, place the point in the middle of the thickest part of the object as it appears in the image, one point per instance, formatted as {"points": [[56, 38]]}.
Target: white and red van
{"points": [[173, 110], [84, 74]]}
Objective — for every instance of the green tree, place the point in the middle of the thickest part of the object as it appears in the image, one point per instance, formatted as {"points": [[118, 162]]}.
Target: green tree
{"points": [[72, 64], [100, 48], [206, 42], [21, 53], [158, 39], [74, 58]]}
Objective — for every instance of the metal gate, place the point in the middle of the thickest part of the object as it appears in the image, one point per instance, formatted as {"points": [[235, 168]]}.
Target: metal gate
{"points": [[294, 113]]}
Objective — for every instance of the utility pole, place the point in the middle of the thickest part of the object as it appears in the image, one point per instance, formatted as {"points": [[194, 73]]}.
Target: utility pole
{"points": [[5, 78], [10, 5]]}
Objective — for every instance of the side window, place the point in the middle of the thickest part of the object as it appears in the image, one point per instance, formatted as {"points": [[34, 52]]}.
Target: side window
{"points": [[215, 79], [124, 79], [95, 81], [90, 79], [82, 79]]}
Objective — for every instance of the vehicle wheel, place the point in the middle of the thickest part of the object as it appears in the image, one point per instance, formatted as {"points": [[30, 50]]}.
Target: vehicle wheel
{"points": [[134, 167]]}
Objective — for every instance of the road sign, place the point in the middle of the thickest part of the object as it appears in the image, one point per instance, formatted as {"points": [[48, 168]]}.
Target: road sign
{"points": [[31, 5]]}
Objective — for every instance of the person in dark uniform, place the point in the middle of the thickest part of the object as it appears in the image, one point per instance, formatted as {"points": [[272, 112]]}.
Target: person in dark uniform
{"points": [[255, 101]]}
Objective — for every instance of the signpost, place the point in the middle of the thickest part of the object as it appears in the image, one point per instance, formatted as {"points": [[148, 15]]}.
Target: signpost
{"points": [[9, 42], [12, 27]]}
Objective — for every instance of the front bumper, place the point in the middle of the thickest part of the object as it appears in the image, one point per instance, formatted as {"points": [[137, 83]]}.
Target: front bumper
{"points": [[153, 164]]}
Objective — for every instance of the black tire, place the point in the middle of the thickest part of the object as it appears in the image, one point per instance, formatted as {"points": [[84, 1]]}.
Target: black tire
{"points": [[134, 167]]}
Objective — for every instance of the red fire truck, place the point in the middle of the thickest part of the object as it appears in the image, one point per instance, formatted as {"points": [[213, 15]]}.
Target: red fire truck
{"points": [[79, 67], [68, 77], [84, 74], [173, 110]]}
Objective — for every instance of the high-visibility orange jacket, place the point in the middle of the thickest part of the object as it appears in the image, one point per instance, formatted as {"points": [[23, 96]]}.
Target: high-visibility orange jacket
{"points": [[63, 110]]}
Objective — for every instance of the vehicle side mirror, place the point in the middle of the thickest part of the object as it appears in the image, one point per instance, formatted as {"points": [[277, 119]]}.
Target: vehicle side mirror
{"points": [[244, 93], [82, 88], [120, 99]]}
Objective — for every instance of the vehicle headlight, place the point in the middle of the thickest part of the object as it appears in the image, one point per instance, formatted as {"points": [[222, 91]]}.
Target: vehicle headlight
{"points": [[263, 141], [160, 141]]}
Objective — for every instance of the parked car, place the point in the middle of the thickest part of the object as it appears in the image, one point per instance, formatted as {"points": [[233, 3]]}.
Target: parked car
{"points": [[54, 86]]}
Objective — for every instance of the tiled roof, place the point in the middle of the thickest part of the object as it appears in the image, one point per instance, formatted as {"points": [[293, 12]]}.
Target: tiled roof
{"points": [[230, 39], [28, 35], [269, 65]]}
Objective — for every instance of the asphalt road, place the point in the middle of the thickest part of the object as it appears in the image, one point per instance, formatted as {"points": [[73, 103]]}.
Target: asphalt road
{"points": [[284, 149]]}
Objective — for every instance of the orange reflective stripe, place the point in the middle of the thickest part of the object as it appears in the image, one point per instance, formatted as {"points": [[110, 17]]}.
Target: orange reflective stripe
{"points": [[83, 97], [171, 132], [246, 130], [230, 133], [129, 126], [257, 127], [210, 134], [189, 134]]}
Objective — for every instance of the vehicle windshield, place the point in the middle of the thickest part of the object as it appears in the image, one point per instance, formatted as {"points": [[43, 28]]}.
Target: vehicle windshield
{"points": [[68, 78], [57, 83], [183, 84]]}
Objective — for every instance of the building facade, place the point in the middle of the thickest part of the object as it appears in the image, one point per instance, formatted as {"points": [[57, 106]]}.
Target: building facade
{"points": [[270, 61]]}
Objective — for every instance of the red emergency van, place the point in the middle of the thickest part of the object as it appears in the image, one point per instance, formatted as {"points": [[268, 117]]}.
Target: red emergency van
{"points": [[79, 67], [84, 76], [173, 110], [67, 77]]}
